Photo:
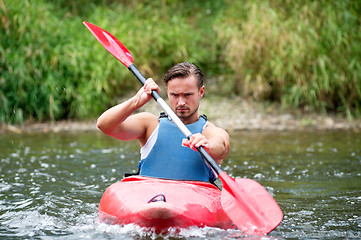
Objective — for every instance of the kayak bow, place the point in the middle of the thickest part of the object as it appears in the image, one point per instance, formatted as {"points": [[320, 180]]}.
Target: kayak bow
{"points": [[160, 204]]}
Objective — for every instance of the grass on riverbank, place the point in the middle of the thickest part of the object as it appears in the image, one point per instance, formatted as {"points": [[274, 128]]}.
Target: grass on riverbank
{"points": [[303, 54]]}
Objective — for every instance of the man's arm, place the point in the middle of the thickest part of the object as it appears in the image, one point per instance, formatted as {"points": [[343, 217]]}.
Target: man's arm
{"points": [[214, 139], [119, 122]]}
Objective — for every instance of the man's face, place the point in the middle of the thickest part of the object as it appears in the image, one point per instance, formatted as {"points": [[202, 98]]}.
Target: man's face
{"points": [[184, 96]]}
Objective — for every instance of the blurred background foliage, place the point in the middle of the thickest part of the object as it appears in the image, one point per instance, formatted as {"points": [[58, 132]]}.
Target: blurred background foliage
{"points": [[303, 54]]}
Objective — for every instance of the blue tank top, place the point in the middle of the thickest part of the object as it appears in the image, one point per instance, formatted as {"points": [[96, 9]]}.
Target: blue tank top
{"points": [[170, 160]]}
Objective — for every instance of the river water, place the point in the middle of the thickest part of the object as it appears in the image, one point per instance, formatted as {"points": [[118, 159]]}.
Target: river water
{"points": [[51, 184]]}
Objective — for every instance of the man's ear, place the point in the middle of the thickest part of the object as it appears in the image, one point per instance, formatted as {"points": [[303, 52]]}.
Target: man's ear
{"points": [[201, 92]]}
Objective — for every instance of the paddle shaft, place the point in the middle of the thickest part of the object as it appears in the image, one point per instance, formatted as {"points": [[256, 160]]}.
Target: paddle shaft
{"points": [[175, 119]]}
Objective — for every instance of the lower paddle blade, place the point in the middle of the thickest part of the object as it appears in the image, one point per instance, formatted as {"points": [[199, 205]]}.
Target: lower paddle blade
{"points": [[249, 205], [110, 43]]}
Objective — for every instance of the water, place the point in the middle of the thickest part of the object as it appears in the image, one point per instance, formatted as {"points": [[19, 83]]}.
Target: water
{"points": [[51, 184]]}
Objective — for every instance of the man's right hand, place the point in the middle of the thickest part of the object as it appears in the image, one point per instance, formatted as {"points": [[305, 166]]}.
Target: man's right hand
{"points": [[144, 94]]}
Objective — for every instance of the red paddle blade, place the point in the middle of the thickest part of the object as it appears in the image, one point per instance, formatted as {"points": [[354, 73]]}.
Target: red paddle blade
{"points": [[110, 43], [249, 205]]}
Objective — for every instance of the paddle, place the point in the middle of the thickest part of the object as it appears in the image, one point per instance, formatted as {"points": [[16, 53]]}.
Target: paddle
{"points": [[250, 207]]}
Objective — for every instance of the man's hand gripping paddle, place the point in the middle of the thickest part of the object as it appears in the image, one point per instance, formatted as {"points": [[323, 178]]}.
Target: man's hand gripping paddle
{"points": [[248, 204]]}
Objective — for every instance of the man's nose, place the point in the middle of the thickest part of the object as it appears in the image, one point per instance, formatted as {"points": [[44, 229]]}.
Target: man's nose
{"points": [[181, 101]]}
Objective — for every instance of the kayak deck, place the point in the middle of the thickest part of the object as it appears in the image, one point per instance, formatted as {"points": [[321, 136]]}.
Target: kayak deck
{"points": [[160, 204]]}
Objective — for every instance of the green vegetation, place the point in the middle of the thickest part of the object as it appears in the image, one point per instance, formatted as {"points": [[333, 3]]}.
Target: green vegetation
{"points": [[303, 54]]}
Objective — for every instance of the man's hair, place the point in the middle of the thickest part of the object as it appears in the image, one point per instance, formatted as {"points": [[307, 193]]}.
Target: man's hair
{"points": [[184, 70]]}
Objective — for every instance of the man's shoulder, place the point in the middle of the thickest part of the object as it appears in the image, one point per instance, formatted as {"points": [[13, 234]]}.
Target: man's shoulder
{"points": [[210, 125], [146, 116], [145, 119], [212, 128]]}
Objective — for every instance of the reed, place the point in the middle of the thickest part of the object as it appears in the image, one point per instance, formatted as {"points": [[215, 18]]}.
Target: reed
{"points": [[300, 53], [303, 54]]}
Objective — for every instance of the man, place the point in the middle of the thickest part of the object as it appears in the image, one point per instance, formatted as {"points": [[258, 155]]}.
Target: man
{"points": [[163, 151]]}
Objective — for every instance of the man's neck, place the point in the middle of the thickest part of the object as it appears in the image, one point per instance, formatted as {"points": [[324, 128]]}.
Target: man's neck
{"points": [[191, 119]]}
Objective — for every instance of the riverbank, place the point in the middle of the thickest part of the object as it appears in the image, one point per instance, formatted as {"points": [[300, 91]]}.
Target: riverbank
{"points": [[232, 115]]}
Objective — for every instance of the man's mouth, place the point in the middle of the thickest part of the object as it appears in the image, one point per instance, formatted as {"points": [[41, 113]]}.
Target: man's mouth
{"points": [[182, 109]]}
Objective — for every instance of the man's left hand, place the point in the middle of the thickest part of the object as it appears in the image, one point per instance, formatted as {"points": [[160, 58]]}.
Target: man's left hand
{"points": [[195, 141]]}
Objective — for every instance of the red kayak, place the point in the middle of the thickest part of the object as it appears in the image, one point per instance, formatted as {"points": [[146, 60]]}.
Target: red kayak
{"points": [[160, 204]]}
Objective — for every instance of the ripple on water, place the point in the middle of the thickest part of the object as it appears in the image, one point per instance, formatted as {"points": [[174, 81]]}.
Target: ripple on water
{"points": [[131, 231], [28, 223]]}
